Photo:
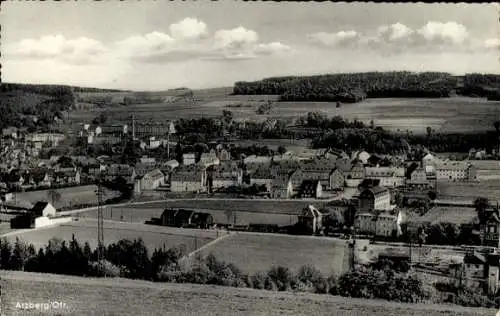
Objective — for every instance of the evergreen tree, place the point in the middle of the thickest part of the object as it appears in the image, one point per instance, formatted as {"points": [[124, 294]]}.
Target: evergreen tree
{"points": [[5, 253]]}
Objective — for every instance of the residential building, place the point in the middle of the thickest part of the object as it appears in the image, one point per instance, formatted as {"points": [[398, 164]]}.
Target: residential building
{"points": [[261, 176], [188, 159], [121, 170], [224, 176], [374, 198], [357, 171], [386, 225], [391, 177], [53, 138], [152, 180], [312, 219], [318, 169], [336, 180], [67, 177], [142, 168], [224, 155], [43, 209], [209, 159], [115, 130], [365, 223], [189, 178], [281, 186], [455, 171], [310, 189]]}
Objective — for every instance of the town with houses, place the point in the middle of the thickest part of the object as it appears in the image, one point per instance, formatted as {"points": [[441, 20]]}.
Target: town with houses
{"points": [[385, 198]]}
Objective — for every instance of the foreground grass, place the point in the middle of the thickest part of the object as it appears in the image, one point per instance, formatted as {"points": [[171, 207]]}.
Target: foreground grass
{"points": [[91, 296], [255, 252]]}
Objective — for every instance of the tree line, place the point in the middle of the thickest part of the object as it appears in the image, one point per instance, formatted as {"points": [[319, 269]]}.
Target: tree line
{"points": [[383, 279], [349, 88]]}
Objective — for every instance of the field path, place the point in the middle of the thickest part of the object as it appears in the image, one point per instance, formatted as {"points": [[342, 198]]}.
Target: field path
{"points": [[213, 242]]}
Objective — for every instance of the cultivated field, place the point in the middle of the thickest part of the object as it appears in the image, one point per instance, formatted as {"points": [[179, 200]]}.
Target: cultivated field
{"points": [[254, 252], [457, 114], [90, 296], [69, 196], [86, 230], [469, 191]]}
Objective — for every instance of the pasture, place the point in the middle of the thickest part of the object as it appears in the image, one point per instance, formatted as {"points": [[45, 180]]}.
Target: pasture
{"points": [[453, 215], [469, 191], [254, 252], [86, 230], [69, 196], [456, 114], [114, 296]]}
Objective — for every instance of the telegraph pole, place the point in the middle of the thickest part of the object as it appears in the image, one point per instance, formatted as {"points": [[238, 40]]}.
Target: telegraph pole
{"points": [[100, 223]]}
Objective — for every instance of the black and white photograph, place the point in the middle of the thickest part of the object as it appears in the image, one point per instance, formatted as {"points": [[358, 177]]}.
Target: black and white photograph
{"points": [[249, 158]]}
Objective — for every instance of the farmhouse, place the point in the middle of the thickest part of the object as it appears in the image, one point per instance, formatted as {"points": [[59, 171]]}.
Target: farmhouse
{"points": [[455, 171], [188, 179], [318, 169], [375, 198], [152, 180]]}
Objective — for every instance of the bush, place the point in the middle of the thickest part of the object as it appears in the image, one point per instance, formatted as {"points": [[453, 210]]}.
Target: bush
{"points": [[104, 268], [282, 277]]}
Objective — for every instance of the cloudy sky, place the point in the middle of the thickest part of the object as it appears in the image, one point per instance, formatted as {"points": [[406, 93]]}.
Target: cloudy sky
{"points": [[159, 45]]}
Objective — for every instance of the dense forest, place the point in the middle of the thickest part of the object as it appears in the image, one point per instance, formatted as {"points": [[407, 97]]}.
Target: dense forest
{"points": [[348, 88]]}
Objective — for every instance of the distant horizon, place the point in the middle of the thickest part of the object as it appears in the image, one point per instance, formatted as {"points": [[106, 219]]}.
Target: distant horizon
{"points": [[232, 85], [158, 45]]}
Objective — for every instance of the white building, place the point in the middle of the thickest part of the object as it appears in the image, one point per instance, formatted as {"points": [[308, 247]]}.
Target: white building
{"points": [[455, 171], [391, 177], [152, 180]]}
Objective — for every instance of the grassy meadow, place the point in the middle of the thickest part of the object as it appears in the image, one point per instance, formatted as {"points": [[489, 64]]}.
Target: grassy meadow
{"points": [[69, 196], [86, 230], [255, 252], [456, 114], [469, 191], [91, 296]]}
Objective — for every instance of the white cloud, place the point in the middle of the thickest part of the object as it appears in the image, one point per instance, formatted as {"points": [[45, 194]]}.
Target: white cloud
{"points": [[492, 43], [151, 43], [187, 40], [189, 28], [341, 38], [395, 32], [57, 46], [236, 38], [449, 32], [271, 48]]}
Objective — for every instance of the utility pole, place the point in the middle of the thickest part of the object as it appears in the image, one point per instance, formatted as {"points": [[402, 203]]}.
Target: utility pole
{"points": [[100, 223]]}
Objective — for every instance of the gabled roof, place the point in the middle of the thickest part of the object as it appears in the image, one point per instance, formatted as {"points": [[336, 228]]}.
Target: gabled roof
{"points": [[155, 174], [39, 207], [374, 190]]}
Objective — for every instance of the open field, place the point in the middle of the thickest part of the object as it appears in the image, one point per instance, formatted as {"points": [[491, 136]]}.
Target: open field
{"points": [[457, 114], [86, 230], [469, 191], [91, 296], [69, 196], [255, 252], [141, 213]]}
